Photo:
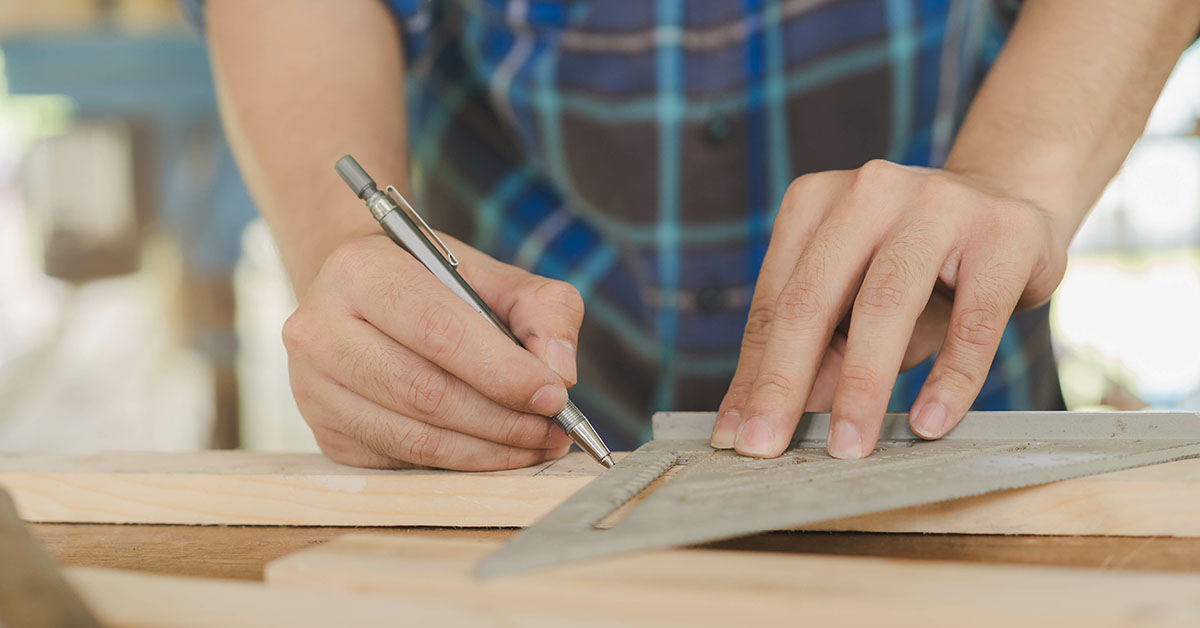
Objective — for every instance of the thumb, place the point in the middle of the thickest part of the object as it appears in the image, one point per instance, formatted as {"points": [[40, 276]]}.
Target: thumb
{"points": [[544, 314]]}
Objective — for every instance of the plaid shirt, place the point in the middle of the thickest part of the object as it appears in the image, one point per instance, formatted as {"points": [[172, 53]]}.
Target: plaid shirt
{"points": [[639, 149]]}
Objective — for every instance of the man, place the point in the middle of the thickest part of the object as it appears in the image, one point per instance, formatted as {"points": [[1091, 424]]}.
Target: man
{"points": [[691, 169]]}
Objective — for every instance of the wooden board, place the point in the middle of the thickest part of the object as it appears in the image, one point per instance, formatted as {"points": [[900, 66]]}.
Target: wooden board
{"points": [[127, 599], [708, 587], [241, 552], [244, 488], [1159, 500]]}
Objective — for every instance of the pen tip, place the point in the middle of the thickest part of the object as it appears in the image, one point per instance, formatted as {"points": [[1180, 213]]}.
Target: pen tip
{"points": [[607, 461]]}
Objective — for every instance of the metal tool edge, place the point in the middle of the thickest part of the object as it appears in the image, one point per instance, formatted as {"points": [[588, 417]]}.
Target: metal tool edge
{"points": [[975, 426]]}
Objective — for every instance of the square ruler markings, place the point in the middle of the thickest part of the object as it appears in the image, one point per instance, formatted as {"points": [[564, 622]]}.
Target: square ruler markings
{"points": [[718, 494]]}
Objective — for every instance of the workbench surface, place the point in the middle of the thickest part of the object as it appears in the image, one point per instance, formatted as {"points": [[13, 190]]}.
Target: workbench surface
{"points": [[240, 552]]}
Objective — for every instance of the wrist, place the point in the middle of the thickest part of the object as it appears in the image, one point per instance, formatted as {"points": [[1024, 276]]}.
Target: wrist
{"points": [[1049, 178], [307, 239]]}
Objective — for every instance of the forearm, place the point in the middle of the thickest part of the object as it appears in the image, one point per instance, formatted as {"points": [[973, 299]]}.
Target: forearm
{"points": [[299, 85], [1068, 96]]}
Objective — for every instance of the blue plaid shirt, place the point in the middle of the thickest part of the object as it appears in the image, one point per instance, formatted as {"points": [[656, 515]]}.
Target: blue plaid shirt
{"points": [[639, 149]]}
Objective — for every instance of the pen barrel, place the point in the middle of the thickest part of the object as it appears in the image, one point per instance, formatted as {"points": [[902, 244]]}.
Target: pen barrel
{"points": [[569, 417], [354, 176], [401, 229]]}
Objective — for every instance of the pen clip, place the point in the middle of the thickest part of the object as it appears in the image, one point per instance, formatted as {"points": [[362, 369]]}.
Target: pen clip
{"points": [[394, 194]]}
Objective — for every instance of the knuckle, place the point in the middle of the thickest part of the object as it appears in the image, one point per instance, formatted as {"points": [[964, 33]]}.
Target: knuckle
{"points": [[298, 332], [504, 382], [798, 188], [511, 458], [1055, 262], [425, 445], [317, 421], [560, 294], [439, 331], [342, 450], [360, 428], [347, 260], [976, 328], [429, 391], [875, 172], [858, 378], [883, 292], [758, 325], [799, 301], [955, 374], [992, 289], [510, 427], [371, 367], [340, 453], [773, 384], [366, 433], [516, 458], [303, 394], [516, 429]]}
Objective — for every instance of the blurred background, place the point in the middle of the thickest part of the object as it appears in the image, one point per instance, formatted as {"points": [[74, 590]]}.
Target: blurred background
{"points": [[141, 302]]}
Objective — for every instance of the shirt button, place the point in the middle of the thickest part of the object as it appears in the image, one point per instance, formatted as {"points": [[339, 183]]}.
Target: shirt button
{"points": [[717, 131], [709, 299]]}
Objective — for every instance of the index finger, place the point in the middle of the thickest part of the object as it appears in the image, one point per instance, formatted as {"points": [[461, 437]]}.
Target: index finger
{"points": [[799, 217], [808, 308]]}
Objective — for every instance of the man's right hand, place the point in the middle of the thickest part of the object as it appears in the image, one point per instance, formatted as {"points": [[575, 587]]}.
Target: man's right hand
{"points": [[389, 368]]}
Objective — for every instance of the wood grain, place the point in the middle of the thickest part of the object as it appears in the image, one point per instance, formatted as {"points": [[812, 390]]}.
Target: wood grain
{"points": [[126, 599], [705, 587], [241, 552], [243, 488], [226, 552], [1157, 500]]}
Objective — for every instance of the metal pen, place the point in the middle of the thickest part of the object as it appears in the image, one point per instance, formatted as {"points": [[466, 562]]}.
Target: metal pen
{"points": [[406, 227]]}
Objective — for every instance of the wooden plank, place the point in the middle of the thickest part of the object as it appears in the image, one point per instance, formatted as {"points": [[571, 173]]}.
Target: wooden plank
{"points": [[225, 552], [244, 488], [1158, 500], [708, 587], [241, 552], [33, 593], [137, 600]]}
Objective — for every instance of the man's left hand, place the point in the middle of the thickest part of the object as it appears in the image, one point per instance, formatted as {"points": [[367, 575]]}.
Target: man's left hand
{"points": [[869, 272]]}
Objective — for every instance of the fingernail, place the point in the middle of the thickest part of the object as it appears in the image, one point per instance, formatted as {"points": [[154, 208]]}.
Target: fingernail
{"points": [[560, 355], [548, 400], [725, 429], [754, 439], [845, 441], [930, 421]]}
